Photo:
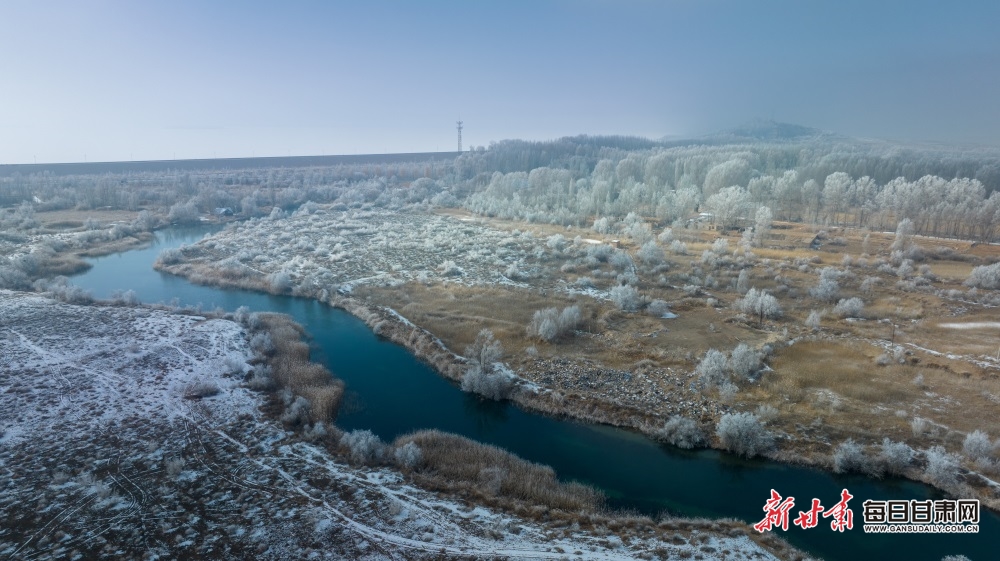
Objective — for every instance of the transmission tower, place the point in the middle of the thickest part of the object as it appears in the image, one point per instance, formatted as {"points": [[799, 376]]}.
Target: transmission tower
{"points": [[459, 135]]}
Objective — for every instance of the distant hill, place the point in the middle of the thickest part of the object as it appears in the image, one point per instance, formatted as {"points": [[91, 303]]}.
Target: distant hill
{"points": [[771, 130], [86, 168]]}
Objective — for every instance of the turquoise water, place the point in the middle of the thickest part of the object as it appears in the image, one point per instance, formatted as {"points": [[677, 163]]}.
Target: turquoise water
{"points": [[391, 392]]}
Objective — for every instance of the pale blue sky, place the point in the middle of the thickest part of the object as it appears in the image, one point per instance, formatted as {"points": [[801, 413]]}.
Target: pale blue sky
{"points": [[193, 79]]}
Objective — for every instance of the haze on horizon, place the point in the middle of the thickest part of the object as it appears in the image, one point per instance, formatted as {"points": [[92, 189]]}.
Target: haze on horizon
{"points": [[120, 81]]}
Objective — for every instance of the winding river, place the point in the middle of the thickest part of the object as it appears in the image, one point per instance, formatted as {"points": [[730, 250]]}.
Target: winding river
{"points": [[391, 392]]}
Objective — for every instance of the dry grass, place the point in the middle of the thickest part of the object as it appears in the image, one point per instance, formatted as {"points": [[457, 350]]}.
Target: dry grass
{"points": [[460, 464], [292, 370]]}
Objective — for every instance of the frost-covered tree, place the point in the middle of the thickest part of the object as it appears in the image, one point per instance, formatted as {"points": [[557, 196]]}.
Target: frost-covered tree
{"points": [[728, 205], [743, 281], [760, 304], [743, 434], [762, 226], [485, 350], [904, 235], [550, 324]]}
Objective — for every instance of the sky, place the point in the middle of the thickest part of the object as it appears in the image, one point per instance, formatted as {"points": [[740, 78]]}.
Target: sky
{"points": [[114, 80]]}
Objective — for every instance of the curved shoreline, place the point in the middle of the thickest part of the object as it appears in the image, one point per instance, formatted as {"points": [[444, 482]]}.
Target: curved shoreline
{"points": [[423, 345]]}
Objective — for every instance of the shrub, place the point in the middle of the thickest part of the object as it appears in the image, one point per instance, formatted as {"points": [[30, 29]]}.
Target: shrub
{"points": [[766, 413], [814, 320], [485, 350], [296, 412], [743, 434], [449, 269], [496, 385], [984, 276], [745, 361], [170, 256], [711, 370], [850, 457], [849, 308], [743, 282], [280, 281], [626, 298], [620, 260], [198, 390], [977, 445], [408, 456], [658, 308], [895, 456], [942, 467], [650, 253], [681, 432], [678, 247], [364, 446], [550, 324], [759, 304]]}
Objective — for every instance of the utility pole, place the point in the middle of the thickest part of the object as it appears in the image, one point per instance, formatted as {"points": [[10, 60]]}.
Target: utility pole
{"points": [[459, 136]]}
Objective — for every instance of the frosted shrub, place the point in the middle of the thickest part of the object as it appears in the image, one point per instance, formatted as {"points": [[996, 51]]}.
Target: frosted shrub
{"points": [[602, 225], [984, 276], [850, 457], [485, 350], [681, 432], [556, 242], [828, 287], [450, 269], [550, 324], [745, 362], [743, 282], [363, 445], [261, 343], [170, 256], [849, 308], [280, 281], [408, 456], [626, 298], [814, 319], [491, 385], [919, 426], [297, 412], [895, 456], [657, 308], [743, 434], [711, 370], [650, 253], [942, 467], [666, 236], [600, 252], [620, 260], [678, 247], [977, 445], [720, 246]]}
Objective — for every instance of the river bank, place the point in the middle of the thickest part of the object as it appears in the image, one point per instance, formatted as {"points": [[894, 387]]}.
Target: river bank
{"points": [[424, 345]]}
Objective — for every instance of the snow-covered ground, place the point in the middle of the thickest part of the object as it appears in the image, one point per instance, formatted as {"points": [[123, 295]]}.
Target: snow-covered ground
{"points": [[105, 454]]}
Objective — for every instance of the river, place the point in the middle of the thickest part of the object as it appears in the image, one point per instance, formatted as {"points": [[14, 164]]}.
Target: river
{"points": [[391, 392]]}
